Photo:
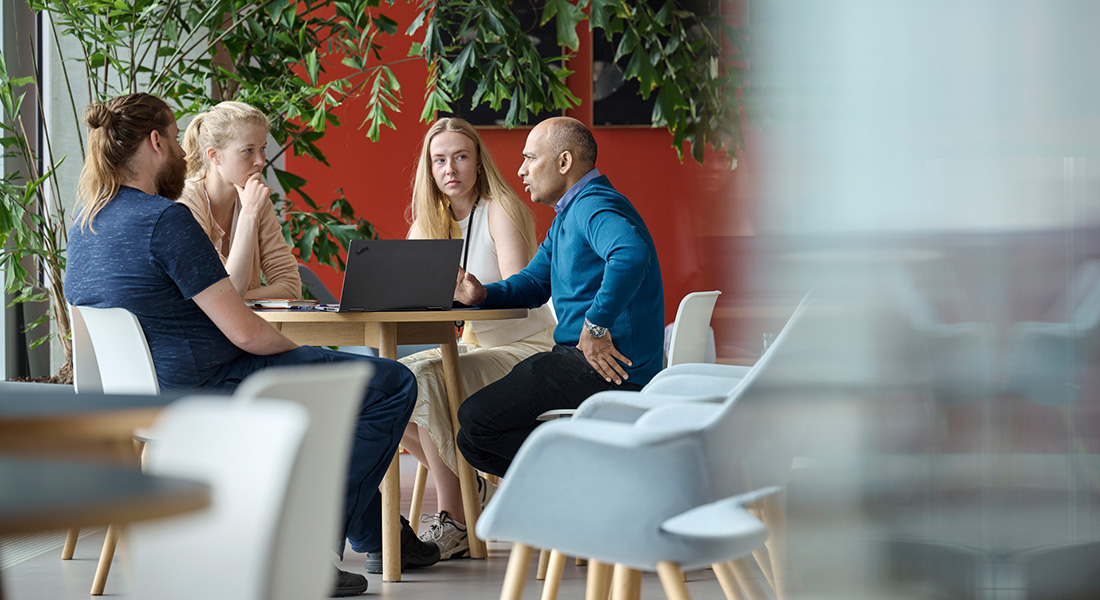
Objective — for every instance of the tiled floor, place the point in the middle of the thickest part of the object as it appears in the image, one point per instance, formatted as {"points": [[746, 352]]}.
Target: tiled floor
{"points": [[47, 577]]}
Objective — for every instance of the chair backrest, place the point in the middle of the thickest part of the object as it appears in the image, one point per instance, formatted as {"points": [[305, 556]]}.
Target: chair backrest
{"points": [[757, 450], [85, 368], [246, 453], [310, 523], [119, 350], [689, 337], [315, 286]]}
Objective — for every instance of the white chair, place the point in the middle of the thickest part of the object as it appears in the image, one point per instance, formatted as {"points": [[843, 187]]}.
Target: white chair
{"points": [[119, 353], [110, 355], [608, 490], [717, 394], [309, 528], [1045, 361], [695, 380], [690, 338], [686, 343], [246, 452]]}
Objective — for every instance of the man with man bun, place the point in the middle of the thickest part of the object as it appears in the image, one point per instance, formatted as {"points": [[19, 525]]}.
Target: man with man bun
{"points": [[133, 247], [599, 265]]}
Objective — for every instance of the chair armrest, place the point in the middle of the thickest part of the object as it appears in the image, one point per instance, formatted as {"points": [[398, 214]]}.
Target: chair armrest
{"points": [[708, 369], [628, 407], [693, 385]]}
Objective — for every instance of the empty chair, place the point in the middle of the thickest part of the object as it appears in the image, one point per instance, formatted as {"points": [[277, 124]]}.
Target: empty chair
{"points": [[690, 338], [312, 516], [110, 355], [246, 452]]}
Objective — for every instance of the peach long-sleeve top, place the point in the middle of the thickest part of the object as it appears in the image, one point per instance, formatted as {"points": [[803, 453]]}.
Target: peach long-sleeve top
{"points": [[272, 258]]}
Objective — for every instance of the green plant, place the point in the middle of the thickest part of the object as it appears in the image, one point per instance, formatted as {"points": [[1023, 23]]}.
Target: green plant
{"points": [[32, 230], [689, 56]]}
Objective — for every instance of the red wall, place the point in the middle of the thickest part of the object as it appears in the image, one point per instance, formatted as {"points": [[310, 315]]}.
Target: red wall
{"points": [[683, 204]]}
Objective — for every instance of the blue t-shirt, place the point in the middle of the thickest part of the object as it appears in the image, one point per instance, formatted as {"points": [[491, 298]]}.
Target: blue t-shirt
{"points": [[149, 256]]}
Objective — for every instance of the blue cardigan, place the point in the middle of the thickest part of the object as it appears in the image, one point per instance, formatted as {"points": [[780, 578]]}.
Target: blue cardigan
{"points": [[598, 261]]}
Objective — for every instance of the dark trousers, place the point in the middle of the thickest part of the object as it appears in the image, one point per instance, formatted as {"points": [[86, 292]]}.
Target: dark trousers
{"points": [[496, 420], [387, 405]]}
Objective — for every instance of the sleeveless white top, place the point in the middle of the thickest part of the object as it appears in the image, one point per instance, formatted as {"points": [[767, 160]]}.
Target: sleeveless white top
{"points": [[483, 263]]}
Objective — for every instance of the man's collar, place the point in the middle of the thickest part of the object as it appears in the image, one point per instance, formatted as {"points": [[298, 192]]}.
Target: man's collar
{"points": [[576, 189]]}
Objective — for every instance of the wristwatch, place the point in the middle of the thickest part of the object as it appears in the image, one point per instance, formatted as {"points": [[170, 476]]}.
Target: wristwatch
{"points": [[594, 330]]}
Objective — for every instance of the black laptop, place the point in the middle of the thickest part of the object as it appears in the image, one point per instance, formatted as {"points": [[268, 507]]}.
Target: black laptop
{"points": [[400, 275]]}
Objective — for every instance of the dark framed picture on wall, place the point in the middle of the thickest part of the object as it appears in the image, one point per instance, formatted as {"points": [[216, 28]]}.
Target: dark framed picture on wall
{"points": [[615, 102], [527, 13]]}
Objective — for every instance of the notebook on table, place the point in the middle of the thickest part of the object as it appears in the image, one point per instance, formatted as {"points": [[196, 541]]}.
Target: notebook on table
{"points": [[386, 275]]}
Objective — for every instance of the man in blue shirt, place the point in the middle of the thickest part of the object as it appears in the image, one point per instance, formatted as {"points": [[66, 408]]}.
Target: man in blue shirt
{"points": [[133, 247], [599, 265]]}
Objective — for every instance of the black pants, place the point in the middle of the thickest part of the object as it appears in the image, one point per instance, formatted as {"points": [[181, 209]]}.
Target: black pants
{"points": [[496, 420]]}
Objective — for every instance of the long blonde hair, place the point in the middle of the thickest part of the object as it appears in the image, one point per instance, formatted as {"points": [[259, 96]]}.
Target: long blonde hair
{"points": [[115, 131], [430, 209], [215, 128]]}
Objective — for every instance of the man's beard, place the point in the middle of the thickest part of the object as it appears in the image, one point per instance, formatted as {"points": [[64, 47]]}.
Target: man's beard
{"points": [[171, 177]]}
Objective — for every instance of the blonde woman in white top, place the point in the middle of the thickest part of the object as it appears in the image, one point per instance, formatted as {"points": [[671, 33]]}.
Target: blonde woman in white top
{"points": [[459, 192]]}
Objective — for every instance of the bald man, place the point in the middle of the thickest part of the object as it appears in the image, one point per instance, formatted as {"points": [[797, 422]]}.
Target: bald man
{"points": [[599, 265]]}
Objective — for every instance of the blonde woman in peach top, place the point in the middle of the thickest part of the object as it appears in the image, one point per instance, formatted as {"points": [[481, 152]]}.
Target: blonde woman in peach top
{"points": [[225, 149]]}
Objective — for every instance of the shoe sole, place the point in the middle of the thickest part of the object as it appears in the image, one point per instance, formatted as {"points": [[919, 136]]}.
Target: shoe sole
{"points": [[463, 553]]}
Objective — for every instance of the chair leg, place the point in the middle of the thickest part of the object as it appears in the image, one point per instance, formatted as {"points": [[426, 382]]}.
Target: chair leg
{"points": [[580, 562], [764, 561], [544, 563], [742, 569], [626, 583], [554, 569], [105, 557], [391, 522], [599, 580], [672, 579], [774, 510], [728, 582], [419, 484], [70, 543], [516, 574]]}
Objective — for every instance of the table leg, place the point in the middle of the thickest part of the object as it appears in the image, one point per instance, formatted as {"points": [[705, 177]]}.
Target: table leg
{"points": [[467, 478], [391, 484]]}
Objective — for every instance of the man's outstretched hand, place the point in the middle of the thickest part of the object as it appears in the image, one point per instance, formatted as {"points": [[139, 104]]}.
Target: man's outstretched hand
{"points": [[468, 290]]}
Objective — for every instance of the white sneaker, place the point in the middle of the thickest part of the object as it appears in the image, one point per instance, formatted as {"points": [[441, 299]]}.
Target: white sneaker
{"points": [[485, 489], [448, 535]]}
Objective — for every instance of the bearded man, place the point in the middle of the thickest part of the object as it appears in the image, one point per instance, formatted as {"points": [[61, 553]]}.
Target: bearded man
{"points": [[133, 247]]}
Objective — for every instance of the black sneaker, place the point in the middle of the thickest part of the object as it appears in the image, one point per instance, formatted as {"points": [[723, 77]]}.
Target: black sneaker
{"points": [[348, 584], [415, 554]]}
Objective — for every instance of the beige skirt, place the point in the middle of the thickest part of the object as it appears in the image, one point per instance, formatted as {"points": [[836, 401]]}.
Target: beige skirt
{"points": [[479, 367]]}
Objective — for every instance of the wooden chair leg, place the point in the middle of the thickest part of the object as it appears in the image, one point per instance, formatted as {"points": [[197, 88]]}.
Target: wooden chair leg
{"points": [[70, 543], [764, 561], [516, 574], [419, 484], [554, 569], [599, 580], [672, 579], [391, 522], [746, 577], [774, 511], [626, 583], [728, 581], [105, 557], [544, 563], [580, 562]]}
